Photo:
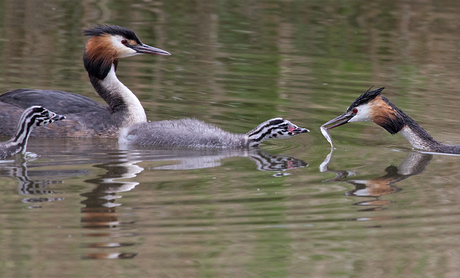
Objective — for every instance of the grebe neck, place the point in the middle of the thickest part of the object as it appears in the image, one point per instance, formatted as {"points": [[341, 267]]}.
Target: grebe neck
{"points": [[394, 120], [119, 98], [419, 137]]}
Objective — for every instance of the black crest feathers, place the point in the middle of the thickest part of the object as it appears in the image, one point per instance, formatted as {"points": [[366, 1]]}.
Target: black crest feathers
{"points": [[100, 30], [366, 97]]}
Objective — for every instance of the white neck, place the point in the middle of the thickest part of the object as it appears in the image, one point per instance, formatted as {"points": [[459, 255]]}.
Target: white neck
{"points": [[413, 139], [116, 89], [416, 140]]}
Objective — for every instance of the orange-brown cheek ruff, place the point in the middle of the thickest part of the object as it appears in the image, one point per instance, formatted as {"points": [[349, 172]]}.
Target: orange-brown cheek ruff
{"points": [[383, 113], [99, 56], [101, 48]]}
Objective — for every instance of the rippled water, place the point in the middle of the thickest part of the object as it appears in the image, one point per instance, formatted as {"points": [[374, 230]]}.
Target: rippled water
{"points": [[83, 208]]}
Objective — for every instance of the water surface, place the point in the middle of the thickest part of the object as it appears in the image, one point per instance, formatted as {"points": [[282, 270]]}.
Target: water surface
{"points": [[84, 208]]}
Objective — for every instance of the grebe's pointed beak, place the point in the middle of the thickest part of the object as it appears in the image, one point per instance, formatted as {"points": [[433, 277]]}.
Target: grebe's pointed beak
{"points": [[147, 49], [340, 120]]}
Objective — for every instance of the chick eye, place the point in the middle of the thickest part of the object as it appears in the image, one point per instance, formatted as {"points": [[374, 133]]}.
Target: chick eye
{"points": [[125, 42], [355, 110]]}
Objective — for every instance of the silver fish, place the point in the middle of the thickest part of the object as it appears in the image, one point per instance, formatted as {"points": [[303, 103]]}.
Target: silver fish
{"points": [[327, 136]]}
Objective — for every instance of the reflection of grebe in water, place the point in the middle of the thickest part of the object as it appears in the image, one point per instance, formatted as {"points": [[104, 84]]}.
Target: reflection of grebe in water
{"points": [[415, 163], [100, 215]]}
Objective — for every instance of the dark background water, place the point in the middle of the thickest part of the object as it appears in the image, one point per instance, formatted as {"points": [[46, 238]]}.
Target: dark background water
{"points": [[378, 210]]}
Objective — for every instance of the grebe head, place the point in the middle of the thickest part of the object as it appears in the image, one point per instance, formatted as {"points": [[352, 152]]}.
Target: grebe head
{"points": [[40, 116], [108, 43], [276, 128], [371, 106]]}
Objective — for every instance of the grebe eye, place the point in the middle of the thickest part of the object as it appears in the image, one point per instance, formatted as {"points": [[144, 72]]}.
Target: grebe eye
{"points": [[355, 110], [125, 42]]}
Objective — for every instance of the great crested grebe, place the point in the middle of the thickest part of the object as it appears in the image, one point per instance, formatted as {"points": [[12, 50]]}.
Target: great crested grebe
{"points": [[195, 133], [86, 117], [373, 106], [30, 118]]}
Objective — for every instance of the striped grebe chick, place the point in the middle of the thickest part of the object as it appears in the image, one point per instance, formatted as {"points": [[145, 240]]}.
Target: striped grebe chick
{"points": [[30, 118], [373, 106], [86, 117], [198, 134]]}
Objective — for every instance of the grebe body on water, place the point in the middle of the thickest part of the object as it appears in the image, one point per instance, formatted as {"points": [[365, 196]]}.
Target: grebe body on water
{"points": [[86, 117], [198, 134], [373, 106]]}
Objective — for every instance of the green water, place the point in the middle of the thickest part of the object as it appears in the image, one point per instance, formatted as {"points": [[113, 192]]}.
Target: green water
{"points": [[83, 208]]}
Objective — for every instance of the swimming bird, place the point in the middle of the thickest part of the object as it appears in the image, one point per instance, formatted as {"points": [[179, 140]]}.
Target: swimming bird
{"points": [[196, 133], [30, 118], [373, 106], [86, 117]]}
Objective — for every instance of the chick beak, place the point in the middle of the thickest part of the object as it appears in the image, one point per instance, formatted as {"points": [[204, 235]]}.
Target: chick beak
{"points": [[299, 130], [58, 117]]}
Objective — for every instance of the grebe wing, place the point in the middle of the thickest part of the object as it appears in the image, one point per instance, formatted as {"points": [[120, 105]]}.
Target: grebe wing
{"points": [[61, 102], [9, 117], [84, 116]]}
